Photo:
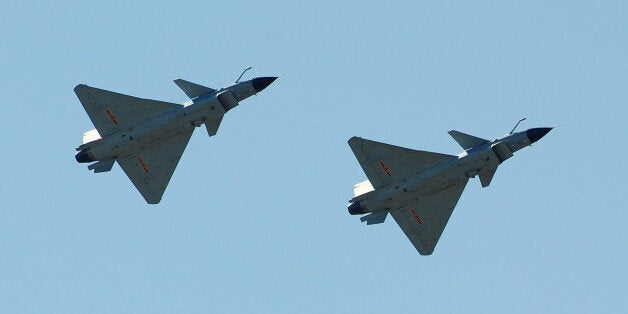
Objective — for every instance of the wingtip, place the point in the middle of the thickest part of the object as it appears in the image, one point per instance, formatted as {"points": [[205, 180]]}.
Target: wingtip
{"points": [[153, 201], [353, 139]]}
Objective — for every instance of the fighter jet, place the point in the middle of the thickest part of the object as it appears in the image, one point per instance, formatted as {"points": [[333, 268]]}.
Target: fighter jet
{"points": [[147, 137], [420, 189]]}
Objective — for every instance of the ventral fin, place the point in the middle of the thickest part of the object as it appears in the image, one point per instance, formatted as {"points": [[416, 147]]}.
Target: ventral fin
{"points": [[375, 218], [102, 166]]}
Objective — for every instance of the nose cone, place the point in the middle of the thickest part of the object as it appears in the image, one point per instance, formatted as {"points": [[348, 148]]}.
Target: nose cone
{"points": [[536, 133], [262, 82]]}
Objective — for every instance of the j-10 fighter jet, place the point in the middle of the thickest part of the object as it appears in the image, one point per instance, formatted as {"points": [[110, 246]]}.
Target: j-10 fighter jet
{"points": [[420, 189], [147, 137]]}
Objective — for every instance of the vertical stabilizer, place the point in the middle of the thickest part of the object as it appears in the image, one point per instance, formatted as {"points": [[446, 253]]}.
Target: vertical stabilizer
{"points": [[90, 136], [362, 188]]}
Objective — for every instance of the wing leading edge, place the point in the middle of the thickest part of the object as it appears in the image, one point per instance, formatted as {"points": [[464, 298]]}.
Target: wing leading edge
{"points": [[424, 220], [150, 170]]}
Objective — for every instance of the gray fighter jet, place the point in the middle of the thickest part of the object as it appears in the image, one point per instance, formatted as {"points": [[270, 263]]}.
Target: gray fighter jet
{"points": [[147, 137], [420, 189]]}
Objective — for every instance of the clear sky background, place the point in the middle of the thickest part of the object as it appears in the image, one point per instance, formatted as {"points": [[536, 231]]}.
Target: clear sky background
{"points": [[255, 218]]}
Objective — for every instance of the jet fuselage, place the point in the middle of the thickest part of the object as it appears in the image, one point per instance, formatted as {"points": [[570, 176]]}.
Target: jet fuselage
{"points": [[472, 162], [194, 113]]}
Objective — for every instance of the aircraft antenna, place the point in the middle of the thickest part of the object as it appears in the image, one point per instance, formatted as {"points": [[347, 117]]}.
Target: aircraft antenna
{"points": [[243, 73], [516, 125]]}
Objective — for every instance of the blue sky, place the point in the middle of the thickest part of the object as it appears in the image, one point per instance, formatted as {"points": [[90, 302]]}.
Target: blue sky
{"points": [[255, 218]]}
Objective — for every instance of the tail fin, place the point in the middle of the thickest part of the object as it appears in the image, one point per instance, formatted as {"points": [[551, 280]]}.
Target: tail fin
{"points": [[193, 90], [90, 136], [362, 188], [465, 140]]}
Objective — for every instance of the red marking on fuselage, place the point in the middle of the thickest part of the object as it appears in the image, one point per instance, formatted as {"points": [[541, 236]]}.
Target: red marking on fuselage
{"points": [[112, 117], [416, 217], [142, 164], [381, 163]]}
